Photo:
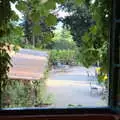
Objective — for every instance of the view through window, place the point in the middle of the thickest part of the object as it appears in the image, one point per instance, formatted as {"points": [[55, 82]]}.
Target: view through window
{"points": [[60, 59]]}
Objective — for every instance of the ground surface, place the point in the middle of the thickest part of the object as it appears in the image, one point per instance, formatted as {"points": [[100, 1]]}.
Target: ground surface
{"points": [[71, 87]]}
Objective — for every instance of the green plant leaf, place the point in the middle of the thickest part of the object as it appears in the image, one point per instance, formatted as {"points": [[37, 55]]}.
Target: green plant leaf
{"points": [[21, 5], [35, 17], [78, 1], [36, 29], [60, 1], [50, 4], [51, 20]]}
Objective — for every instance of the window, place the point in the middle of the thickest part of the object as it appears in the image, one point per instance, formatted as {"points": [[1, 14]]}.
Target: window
{"points": [[115, 56], [72, 84], [114, 99]]}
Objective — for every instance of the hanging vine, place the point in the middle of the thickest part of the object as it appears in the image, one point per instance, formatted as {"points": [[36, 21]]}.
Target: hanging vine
{"points": [[37, 8]]}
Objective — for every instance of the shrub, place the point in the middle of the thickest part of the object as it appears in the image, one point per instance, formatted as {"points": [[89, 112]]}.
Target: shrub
{"points": [[17, 94], [69, 57], [26, 93], [63, 45]]}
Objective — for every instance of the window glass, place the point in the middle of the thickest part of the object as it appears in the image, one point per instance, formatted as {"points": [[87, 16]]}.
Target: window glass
{"points": [[59, 61]]}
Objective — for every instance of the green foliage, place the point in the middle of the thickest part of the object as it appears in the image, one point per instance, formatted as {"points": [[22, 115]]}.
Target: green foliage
{"points": [[4, 66], [69, 57], [22, 5], [37, 10], [63, 40], [17, 94], [78, 21], [26, 93], [63, 44], [89, 26], [51, 20], [39, 90], [41, 97], [78, 1], [96, 39], [100, 10], [15, 35], [5, 49], [38, 35], [6, 14]]}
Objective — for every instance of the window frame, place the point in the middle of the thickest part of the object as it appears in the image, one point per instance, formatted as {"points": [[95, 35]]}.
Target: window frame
{"points": [[54, 111], [112, 107], [113, 56]]}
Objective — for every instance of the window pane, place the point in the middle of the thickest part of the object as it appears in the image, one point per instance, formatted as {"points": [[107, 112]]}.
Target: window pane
{"points": [[58, 66]]}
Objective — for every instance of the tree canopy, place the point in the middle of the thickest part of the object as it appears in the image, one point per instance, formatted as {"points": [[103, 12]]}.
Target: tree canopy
{"points": [[89, 24], [78, 21], [98, 34], [63, 40]]}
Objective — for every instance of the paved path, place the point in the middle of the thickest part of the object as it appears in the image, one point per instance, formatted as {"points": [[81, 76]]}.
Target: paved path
{"points": [[73, 87], [28, 64]]}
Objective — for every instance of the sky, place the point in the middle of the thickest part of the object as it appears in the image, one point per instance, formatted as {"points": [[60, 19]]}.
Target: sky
{"points": [[61, 13], [17, 11]]}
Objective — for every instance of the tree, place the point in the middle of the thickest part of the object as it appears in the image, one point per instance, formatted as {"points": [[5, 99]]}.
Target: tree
{"points": [[89, 26], [78, 21], [63, 40], [100, 10], [98, 34], [42, 38], [93, 45]]}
